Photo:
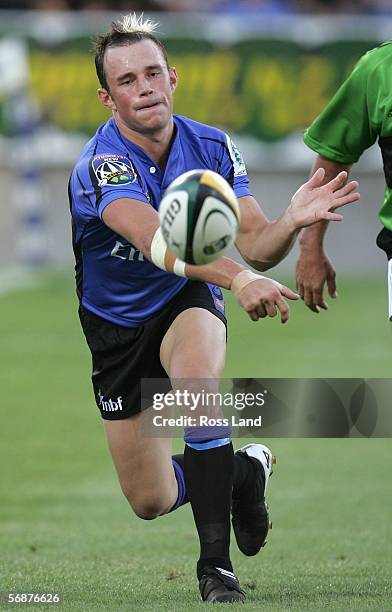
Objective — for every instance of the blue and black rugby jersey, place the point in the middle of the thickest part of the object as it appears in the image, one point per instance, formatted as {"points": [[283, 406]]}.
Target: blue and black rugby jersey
{"points": [[114, 281]]}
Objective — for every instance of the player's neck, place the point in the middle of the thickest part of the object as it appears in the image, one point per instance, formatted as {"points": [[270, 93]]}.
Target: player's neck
{"points": [[155, 144]]}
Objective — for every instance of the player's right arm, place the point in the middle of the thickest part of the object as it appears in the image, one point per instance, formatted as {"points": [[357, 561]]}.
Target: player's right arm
{"points": [[138, 223], [314, 269]]}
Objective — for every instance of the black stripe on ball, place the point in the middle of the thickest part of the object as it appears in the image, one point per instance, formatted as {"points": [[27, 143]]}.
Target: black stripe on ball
{"points": [[194, 208]]}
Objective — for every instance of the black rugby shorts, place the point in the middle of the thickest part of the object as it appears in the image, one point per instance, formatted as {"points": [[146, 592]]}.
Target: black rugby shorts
{"points": [[384, 241], [122, 356]]}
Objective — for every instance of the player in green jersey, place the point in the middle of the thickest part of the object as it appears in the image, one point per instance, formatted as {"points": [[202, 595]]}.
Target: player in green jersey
{"points": [[358, 115]]}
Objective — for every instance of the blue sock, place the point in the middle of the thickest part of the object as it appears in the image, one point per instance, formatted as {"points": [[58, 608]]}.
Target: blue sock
{"points": [[178, 463]]}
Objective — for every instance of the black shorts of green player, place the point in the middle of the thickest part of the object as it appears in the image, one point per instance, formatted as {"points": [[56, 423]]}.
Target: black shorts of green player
{"points": [[123, 356]]}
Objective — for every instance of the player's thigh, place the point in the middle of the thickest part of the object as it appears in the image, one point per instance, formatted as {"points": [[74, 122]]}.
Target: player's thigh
{"points": [[194, 346], [143, 464]]}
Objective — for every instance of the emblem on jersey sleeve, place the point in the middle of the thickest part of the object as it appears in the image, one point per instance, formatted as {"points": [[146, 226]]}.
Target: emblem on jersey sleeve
{"points": [[236, 158], [113, 170]]}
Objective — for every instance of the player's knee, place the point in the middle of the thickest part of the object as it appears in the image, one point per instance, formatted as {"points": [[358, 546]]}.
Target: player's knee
{"points": [[147, 507], [196, 370]]}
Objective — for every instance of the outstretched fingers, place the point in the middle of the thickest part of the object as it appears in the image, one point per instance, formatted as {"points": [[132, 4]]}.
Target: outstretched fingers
{"points": [[316, 180], [330, 216], [340, 197], [346, 199], [338, 181], [348, 188]]}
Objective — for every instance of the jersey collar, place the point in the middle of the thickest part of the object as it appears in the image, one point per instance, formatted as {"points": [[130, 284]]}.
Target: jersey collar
{"points": [[170, 172]]}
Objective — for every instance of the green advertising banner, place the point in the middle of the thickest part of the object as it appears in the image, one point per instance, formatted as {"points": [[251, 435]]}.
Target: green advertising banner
{"points": [[265, 88]]}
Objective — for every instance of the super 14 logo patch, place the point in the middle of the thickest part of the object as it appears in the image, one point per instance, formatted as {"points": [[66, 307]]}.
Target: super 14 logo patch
{"points": [[113, 170], [236, 157]]}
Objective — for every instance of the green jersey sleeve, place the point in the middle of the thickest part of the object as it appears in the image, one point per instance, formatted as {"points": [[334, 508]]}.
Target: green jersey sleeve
{"points": [[354, 117]]}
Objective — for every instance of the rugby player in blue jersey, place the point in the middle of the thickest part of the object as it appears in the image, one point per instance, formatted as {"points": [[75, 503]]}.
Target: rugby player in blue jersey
{"points": [[147, 315]]}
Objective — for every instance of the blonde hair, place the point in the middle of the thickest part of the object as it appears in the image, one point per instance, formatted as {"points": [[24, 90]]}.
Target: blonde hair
{"points": [[134, 23]]}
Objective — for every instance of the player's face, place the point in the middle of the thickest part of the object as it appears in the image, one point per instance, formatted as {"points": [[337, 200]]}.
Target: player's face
{"points": [[140, 86]]}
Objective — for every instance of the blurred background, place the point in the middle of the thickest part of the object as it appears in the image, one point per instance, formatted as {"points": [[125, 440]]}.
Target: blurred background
{"points": [[260, 69]]}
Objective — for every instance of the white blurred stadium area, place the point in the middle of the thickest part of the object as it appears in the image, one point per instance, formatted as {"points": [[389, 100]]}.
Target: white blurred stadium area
{"points": [[260, 69]]}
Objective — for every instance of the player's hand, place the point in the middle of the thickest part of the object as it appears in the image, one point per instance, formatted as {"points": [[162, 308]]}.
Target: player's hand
{"points": [[313, 270], [265, 298], [314, 201]]}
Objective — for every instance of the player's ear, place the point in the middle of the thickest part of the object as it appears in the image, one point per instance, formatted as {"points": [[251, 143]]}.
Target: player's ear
{"points": [[106, 99], [173, 78]]}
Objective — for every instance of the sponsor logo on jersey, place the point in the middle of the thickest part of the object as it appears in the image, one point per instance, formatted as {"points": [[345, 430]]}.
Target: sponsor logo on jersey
{"points": [[236, 158], [113, 170], [126, 252]]}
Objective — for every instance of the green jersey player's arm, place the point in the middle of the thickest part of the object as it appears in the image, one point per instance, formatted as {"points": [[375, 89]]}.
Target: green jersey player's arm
{"points": [[314, 268], [347, 126]]}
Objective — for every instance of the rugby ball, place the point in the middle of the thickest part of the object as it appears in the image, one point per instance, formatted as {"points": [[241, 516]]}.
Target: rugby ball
{"points": [[199, 216]]}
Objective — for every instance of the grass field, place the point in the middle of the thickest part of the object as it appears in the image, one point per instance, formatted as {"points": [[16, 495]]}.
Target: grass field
{"points": [[64, 525]]}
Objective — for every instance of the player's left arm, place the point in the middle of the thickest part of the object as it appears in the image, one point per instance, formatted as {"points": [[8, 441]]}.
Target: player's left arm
{"points": [[263, 243], [254, 225]]}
